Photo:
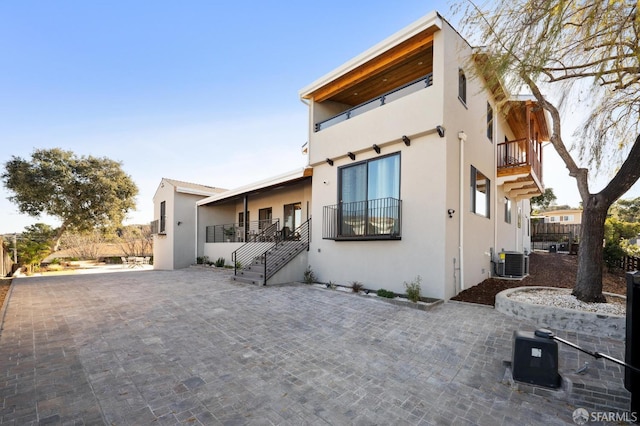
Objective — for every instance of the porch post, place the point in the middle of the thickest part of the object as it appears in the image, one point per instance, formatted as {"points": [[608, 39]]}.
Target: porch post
{"points": [[245, 216]]}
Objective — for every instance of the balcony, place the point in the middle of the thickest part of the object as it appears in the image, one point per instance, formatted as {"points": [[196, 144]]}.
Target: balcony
{"points": [[520, 168], [407, 89], [363, 220]]}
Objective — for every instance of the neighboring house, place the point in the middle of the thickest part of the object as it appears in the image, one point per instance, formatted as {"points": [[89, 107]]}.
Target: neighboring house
{"points": [[417, 172], [417, 168], [564, 217], [174, 225]]}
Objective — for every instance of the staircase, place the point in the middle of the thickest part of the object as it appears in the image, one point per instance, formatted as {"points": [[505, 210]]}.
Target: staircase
{"points": [[255, 263]]}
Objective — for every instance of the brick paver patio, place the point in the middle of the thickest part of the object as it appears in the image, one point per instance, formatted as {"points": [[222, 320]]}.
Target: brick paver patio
{"points": [[192, 347]]}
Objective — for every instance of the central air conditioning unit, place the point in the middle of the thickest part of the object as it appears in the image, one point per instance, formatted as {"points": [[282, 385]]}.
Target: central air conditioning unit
{"points": [[513, 264]]}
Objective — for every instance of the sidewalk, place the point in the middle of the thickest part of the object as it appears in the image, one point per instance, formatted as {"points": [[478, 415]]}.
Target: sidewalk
{"points": [[192, 347]]}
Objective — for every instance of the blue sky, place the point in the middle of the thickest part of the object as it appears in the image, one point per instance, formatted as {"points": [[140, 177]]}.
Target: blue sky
{"points": [[199, 91]]}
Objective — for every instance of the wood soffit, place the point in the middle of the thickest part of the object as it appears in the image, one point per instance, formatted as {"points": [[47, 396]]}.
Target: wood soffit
{"points": [[393, 68]]}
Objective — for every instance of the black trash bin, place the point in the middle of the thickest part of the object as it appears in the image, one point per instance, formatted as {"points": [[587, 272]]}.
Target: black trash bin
{"points": [[632, 346], [535, 359], [553, 248]]}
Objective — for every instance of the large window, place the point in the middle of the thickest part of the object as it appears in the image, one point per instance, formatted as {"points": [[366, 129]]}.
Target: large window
{"points": [[480, 193], [369, 196], [163, 217], [292, 218]]}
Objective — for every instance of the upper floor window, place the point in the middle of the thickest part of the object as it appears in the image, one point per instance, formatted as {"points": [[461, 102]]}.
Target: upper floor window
{"points": [[462, 87], [489, 122], [480, 193], [163, 217]]}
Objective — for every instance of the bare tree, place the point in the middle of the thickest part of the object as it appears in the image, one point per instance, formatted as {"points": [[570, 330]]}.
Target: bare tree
{"points": [[136, 240], [84, 245], [585, 55]]}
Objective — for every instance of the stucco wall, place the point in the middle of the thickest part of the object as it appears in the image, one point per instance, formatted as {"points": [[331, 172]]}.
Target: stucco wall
{"points": [[184, 234], [163, 244], [387, 264]]}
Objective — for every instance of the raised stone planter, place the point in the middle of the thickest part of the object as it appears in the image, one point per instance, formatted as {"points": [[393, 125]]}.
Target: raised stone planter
{"points": [[593, 323]]}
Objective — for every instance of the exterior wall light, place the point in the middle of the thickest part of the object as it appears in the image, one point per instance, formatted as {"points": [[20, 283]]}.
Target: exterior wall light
{"points": [[330, 161], [351, 155], [376, 148], [450, 212], [406, 140], [440, 131]]}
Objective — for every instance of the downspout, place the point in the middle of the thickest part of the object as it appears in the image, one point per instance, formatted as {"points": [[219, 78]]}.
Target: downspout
{"points": [[462, 137], [196, 231], [245, 217]]}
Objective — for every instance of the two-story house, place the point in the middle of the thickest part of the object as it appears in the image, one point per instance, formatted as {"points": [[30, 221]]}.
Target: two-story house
{"points": [[415, 169], [419, 170]]}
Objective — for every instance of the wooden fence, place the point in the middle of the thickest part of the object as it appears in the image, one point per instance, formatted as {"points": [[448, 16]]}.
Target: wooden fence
{"points": [[629, 263], [547, 229]]}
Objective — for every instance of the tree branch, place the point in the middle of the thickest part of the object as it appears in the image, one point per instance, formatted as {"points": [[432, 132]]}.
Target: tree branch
{"points": [[581, 174], [626, 177]]}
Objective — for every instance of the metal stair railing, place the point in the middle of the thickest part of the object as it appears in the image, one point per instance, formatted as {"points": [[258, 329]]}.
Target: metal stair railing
{"points": [[251, 251], [296, 242]]}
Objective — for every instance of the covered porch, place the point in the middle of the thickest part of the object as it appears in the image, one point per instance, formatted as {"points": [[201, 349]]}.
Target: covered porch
{"points": [[259, 213]]}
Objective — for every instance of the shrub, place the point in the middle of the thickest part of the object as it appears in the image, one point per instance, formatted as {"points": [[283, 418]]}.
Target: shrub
{"points": [[220, 262], [202, 260], [386, 293], [309, 276], [413, 289], [357, 286]]}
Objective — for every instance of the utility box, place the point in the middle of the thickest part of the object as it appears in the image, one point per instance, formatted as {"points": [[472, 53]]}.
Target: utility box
{"points": [[535, 360], [632, 344]]}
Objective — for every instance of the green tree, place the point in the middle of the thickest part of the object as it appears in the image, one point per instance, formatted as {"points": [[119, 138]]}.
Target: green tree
{"points": [[83, 192], [543, 201], [35, 244], [627, 210], [585, 55], [616, 233]]}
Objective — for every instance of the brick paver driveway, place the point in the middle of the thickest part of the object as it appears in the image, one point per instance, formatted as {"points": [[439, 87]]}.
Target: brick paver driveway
{"points": [[192, 347]]}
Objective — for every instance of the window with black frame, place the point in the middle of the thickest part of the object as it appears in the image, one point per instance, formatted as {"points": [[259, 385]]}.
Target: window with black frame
{"points": [[369, 195], [163, 217], [480, 193]]}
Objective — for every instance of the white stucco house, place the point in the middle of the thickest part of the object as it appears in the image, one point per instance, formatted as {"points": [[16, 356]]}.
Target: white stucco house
{"points": [[415, 168], [423, 175], [174, 224]]}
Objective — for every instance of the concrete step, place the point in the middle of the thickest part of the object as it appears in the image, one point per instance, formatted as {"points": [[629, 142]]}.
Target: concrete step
{"points": [[247, 273], [248, 280]]}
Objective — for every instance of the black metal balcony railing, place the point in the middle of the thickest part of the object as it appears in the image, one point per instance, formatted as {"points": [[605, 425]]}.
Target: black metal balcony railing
{"points": [[379, 219], [392, 95], [235, 232]]}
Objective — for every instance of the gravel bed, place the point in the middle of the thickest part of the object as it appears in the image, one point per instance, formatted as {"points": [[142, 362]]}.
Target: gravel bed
{"points": [[562, 298]]}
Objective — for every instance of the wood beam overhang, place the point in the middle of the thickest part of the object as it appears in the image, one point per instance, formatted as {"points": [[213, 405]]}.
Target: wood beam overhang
{"points": [[377, 65]]}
